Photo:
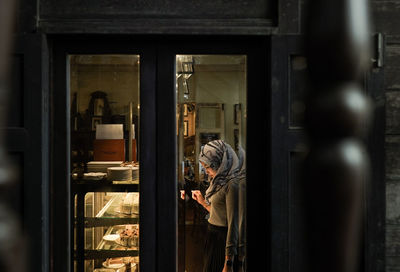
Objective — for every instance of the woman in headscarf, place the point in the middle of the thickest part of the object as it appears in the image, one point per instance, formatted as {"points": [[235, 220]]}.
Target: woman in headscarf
{"points": [[221, 200], [241, 176]]}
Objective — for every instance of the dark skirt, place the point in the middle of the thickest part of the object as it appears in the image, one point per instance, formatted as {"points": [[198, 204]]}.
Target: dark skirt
{"points": [[214, 251]]}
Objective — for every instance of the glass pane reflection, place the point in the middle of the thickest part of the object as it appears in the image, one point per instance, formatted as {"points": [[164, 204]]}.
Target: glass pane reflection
{"points": [[211, 107]]}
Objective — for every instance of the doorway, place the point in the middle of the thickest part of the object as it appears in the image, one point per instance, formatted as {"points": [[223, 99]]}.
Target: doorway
{"points": [[159, 152], [211, 105], [247, 60]]}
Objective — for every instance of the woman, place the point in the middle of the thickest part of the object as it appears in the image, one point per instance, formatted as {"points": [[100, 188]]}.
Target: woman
{"points": [[241, 176], [221, 200]]}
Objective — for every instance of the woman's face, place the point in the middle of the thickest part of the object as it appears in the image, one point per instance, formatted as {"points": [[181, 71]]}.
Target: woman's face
{"points": [[210, 172]]}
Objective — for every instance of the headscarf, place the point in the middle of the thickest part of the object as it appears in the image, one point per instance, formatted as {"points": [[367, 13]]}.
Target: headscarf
{"points": [[222, 158], [241, 170]]}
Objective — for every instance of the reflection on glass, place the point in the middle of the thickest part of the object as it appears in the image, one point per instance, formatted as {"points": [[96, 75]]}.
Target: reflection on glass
{"points": [[211, 107], [104, 124]]}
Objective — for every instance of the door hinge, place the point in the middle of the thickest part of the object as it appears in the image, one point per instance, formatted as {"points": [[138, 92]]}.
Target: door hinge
{"points": [[377, 58]]}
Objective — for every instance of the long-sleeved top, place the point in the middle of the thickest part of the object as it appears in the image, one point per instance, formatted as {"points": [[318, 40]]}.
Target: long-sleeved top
{"points": [[242, 216], [224, 213]]}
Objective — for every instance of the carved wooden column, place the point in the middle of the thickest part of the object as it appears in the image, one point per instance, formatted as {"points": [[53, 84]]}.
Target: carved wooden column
{"points": [[11, 249], [336, 169]]}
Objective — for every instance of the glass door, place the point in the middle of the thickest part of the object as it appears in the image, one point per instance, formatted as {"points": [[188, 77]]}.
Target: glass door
{"points": [[103, 150], [128, 126], [105, 132], [211, 121]]}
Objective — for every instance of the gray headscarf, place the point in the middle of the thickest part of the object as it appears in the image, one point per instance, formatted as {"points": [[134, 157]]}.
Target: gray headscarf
{"points": [[241, 170], [222, 158]]}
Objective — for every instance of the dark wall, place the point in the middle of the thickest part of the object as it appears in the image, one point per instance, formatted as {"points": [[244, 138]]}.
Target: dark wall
{"points": [[135, 9], [386, 16], [252, 17], [154, 16], [387, 20]]}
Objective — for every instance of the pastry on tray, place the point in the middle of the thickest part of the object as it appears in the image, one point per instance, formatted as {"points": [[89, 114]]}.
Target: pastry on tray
{"points": [[129, 236], [130, 204], [116, 263]]}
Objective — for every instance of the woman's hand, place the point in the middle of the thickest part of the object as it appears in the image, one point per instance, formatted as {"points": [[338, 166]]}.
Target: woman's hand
{"points": [[182, 194], [196, 195]]}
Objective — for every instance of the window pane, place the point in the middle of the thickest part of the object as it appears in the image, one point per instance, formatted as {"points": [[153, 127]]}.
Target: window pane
{"points": [[104, 124], [211, 105]]}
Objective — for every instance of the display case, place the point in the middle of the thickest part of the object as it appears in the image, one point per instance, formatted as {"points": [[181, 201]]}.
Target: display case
{"points": [[106, 229]]}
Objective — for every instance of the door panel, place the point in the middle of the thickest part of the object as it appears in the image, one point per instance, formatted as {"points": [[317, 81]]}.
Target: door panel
{"points": [[288, 70], [211, 105], [63, 185], [257, 114], [27, 142], [289, 84]]}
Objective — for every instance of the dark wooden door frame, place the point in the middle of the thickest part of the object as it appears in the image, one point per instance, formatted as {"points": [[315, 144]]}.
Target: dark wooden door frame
{"points": [[284, 141], [27, 140], [158, 249], [259, 125], [258, 113], [61, 199]]}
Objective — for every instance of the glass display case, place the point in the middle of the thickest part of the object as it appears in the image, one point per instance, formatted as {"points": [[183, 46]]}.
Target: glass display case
{"points": [[104, 116], [108, 232]]}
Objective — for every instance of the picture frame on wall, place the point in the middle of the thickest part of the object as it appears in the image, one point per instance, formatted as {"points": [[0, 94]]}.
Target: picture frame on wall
{"points": [[186, 90], [95, 121], [186, 128], [236, 113]]}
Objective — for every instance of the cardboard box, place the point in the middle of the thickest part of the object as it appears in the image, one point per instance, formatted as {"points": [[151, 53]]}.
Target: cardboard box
{"points": [[109, 150]]}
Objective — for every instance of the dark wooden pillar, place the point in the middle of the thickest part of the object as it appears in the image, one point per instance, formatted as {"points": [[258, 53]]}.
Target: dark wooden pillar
{"points": [[11, 247], [336, 169]]}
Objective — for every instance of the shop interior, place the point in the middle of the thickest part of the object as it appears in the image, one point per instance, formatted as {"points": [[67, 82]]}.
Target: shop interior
{"points": [[211, 91], [104, 92]]}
